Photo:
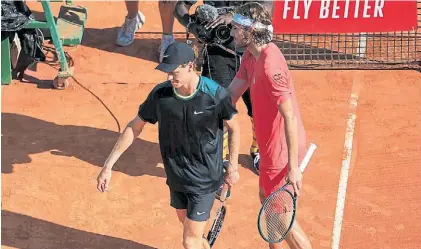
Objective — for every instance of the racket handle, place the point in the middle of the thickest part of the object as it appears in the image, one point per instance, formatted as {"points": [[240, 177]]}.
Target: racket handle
{"points": [[307, 157], [224, 192]]}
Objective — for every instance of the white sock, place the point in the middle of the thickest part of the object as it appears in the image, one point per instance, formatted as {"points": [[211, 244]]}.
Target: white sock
{"points": [[167, 37]]}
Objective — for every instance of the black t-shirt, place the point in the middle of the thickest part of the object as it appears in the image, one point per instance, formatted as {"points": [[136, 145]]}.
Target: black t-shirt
{"points": [[190, 133]]}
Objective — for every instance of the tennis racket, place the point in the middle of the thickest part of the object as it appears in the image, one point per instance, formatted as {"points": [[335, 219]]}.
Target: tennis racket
{"points": [[277, 213], [219, 217]]}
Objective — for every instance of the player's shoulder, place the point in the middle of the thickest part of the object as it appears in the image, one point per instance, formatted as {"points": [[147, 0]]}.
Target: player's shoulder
{"points": [[274, 57], [161, 89], [273, 52], [210, 87]]}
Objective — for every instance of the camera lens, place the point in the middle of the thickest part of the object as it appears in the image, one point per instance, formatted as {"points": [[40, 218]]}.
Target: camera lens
{"points": [[223, 32]]}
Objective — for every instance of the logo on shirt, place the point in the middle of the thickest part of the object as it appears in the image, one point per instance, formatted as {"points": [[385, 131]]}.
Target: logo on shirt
{"points": [[200, 213], [279, 77], [196, 112]]}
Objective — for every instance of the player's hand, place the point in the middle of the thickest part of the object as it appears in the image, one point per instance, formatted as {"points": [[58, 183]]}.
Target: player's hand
{"points": [[231, 176], [295, 178], [104, 179], [222, 19]]}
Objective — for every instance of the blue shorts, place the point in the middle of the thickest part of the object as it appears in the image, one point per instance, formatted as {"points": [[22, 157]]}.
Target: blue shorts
{"points": [[198, 206]]}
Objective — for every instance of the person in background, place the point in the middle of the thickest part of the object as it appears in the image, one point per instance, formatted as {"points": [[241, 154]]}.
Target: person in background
{"points": [[135, 20]]}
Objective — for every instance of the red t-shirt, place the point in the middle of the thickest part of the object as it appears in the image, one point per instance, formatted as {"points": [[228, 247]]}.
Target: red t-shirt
{"points": [[271, 84]]}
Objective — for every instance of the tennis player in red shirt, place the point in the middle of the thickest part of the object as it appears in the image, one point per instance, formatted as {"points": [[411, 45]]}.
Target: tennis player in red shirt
{"points": [[279, 130]]}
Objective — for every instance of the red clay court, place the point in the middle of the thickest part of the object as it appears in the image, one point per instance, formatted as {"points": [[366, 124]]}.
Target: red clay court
{"points": [[54, 143]]}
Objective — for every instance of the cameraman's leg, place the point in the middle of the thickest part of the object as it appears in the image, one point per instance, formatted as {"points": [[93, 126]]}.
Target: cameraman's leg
{"points": [[254, 149], [220, 68], [166, 9]]}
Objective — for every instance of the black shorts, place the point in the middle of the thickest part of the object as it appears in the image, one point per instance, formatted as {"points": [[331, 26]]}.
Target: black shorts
{"points": [[198, 206]]}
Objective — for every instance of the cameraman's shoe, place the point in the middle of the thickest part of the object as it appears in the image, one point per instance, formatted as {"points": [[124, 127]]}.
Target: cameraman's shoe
{"points": [[256, 162]]}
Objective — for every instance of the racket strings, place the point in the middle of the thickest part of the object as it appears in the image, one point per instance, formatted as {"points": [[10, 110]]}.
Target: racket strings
{"points": [[277, 216]]}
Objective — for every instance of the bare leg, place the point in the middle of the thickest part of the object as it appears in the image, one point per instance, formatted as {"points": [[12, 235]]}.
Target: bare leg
{"points": [[297, 239], [132, 8], [193, 235], [262, 199], [181, 215], [167, 16]]}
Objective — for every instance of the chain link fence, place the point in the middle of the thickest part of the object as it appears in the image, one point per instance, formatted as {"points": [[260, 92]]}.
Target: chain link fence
{"points": [[392, 50]]}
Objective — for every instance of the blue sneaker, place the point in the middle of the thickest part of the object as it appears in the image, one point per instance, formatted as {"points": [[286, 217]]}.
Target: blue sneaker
{"points": [[125, 35]]}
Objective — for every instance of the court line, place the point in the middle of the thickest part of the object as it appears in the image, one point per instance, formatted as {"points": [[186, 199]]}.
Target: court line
{"points": [[346, 160]]}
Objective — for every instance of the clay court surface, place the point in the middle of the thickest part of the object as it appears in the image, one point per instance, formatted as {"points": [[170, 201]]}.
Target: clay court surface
{"points": [[54, 143]]}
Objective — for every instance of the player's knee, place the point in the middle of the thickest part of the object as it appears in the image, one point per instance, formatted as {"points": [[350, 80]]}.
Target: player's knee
{"points": [[297, 238], [192, 242]]}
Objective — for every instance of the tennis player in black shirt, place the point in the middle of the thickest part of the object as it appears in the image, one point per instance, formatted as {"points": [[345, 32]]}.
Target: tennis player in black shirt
{"points": [[191, 111]]}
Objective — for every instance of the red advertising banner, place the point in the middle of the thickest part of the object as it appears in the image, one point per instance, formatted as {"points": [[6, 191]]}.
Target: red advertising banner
{"points": [[344, 16]]}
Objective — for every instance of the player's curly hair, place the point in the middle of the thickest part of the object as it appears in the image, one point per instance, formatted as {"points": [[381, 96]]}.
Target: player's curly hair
{"points": [[259, 13]]}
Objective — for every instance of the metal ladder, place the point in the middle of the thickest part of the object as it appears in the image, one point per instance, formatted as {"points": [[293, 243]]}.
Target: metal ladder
{"points": [[68, 31]]}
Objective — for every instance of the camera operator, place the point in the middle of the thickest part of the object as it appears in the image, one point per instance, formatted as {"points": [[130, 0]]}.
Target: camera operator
{"points": [[221, 59]]}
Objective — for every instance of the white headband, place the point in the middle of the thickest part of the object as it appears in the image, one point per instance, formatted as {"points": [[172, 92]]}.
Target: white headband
{"points": [[248, 22]]}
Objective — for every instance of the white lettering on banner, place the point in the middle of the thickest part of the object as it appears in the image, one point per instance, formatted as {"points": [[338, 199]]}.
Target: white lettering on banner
{"points": [[324, 9], [378, 8], [286, 8], [346, 9], [366, 8], [334, 9], [307, 4], [357, 6], [296, 5]]}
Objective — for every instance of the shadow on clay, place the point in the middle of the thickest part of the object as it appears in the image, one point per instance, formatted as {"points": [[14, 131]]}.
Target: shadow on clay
{"points": [[144, 46], [23, 136], [22, 231]]}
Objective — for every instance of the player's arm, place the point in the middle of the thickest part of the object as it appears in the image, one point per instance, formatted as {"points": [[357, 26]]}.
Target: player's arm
{"points": [[291, 132], [228, 113], [281, 94], [233, 143], [130, 133], [146, 113], [237, 88]]}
